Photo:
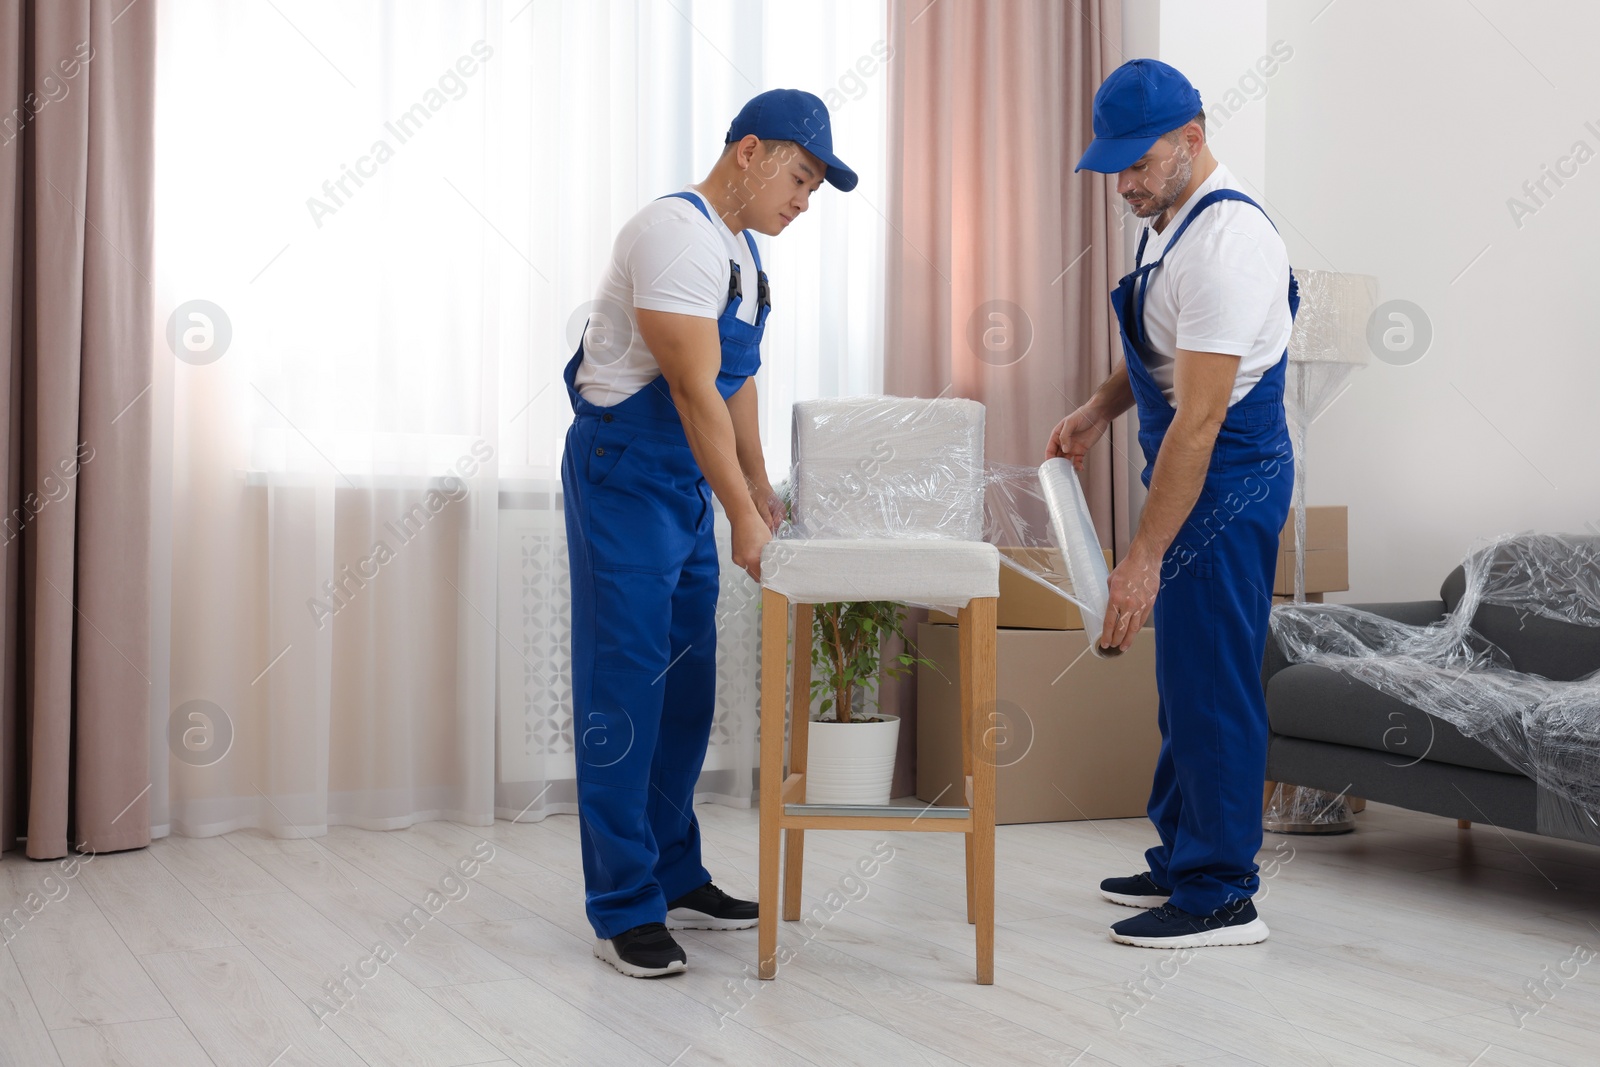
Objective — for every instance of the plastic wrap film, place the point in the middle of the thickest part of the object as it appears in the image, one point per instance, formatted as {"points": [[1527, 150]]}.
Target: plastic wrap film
{"points": [[888, 467], [1453, 670], [1072, 531], [1328, 343], [1302, 810], [1041, 511], [885, 503]]}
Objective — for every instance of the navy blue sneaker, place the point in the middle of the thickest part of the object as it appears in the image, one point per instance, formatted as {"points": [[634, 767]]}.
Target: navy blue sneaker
{"points": [[709, 908], [646, 951], [1139, 891], [1235, 923]]}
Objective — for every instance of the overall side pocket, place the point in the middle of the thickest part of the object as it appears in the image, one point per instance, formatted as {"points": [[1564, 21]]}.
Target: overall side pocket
{"points": [[606, 449]]}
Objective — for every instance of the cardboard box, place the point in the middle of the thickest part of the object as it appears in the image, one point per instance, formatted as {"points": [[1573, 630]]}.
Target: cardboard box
{"points": [[1327, 571], [1024, 604], [1327, 552], [1079, 745], [1326, 528]]}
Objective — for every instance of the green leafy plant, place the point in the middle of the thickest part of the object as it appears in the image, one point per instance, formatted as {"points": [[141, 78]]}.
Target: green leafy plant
{"points": [[846, 651]]}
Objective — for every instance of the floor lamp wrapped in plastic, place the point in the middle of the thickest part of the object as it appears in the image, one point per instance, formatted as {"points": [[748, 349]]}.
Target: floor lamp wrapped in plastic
{"points": [[1328, 343]]}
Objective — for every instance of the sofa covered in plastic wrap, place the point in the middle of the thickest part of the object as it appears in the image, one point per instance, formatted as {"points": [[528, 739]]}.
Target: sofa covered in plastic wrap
{"points": [[1481, 705]]}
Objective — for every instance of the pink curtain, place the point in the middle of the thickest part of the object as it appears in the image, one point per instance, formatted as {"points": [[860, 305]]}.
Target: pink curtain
{"points": [[1000, 259], [76, 138]]}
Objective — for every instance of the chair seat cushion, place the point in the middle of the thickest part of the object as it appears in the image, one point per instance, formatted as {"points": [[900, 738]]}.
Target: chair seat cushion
{"points": [[942, 574]]}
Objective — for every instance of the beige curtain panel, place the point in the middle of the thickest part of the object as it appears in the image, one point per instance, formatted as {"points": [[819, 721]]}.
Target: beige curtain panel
{"points": [[999, 258], [76, 133]]}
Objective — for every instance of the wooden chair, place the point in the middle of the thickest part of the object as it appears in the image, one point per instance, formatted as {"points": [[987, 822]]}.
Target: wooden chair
{"points": [[783, 797]]}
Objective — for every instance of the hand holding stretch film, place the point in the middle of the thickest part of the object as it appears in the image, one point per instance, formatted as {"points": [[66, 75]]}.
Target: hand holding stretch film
{"points": [[1133, 588]]}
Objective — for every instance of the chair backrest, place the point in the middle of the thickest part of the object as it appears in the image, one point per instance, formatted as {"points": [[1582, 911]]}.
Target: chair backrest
{"points": [[888, 467]]}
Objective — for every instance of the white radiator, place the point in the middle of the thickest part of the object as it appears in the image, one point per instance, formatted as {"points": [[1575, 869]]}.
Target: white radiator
{"points": [[534, 692]]}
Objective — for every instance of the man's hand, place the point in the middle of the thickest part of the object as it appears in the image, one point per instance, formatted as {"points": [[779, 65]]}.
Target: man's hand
{"points": [[1134, 585], [749, 538], [767, 504], [1075, 434]]}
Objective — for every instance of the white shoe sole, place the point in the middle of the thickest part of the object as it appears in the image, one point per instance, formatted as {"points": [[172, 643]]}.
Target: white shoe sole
{"points": [[1251, 933], [689, 919], [605, 950], [1129, 901]]}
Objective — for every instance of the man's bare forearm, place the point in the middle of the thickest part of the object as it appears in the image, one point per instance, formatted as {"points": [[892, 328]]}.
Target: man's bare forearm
{"points": [[709, 426], [744, 407], [1175, 484], [1114, 396]]}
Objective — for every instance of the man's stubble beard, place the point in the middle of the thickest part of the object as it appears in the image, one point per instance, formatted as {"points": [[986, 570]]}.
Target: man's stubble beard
{"points": [[1183, 170]]}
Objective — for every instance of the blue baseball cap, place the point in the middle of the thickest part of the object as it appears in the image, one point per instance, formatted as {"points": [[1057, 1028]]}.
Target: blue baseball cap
{"points": [[792, 115], [1140, 101]]}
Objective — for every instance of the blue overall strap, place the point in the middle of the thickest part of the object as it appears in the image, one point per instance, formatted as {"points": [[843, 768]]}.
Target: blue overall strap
{"points": [[1214, 196], [1233, 194], [735, 285], [700, 206]]}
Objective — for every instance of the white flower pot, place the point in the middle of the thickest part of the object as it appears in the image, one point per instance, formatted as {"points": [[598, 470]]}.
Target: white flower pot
{"points": [[851, 762]]}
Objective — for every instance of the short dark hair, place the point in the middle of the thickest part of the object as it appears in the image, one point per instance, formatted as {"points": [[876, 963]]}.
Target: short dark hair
{"points": [[770, 146], [1200, 117]]}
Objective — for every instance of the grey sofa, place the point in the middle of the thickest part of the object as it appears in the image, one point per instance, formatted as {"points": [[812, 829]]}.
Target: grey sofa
{"points": [[1332, 732]]}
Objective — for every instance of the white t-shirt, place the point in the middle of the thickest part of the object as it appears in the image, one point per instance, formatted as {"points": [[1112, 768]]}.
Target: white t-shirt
{"points": [[668, 257], [1225, 288]]}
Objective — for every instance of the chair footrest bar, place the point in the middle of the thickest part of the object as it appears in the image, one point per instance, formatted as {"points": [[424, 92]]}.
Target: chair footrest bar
{"points": [[885, 811]]}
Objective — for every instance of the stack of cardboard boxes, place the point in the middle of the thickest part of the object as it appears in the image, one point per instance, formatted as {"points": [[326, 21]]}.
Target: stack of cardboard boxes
{"points": [[1327, 554], [1075, 736]]}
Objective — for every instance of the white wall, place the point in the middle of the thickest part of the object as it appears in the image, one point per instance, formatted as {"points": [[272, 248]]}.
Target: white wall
{"points": [[1218, 44], [1395, 134]]}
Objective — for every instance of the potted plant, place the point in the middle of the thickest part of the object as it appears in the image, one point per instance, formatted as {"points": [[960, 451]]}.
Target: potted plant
{"points": [[850, 753]]}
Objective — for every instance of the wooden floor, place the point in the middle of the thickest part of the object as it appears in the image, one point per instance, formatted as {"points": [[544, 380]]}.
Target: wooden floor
{"points": [[1407, 942]]}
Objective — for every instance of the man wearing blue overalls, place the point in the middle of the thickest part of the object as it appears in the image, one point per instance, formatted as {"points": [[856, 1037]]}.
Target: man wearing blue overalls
{"points": [[1205, 318], [664, 395]]}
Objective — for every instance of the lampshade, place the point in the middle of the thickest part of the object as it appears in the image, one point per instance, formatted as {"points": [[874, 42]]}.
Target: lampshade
{"points": [[1329, 340], [1331, 326]]}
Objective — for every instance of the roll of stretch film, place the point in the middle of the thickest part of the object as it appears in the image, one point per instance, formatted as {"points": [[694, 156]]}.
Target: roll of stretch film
{"points": [[1073, 533]]}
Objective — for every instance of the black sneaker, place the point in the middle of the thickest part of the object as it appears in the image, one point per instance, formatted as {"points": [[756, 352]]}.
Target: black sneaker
{"points": [[709, 908], [1139, 891], [646, 951], [1235, 923]]}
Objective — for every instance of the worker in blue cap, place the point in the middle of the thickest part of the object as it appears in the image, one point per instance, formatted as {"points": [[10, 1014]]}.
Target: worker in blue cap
{"points": [[1205, 318], [664, 395]]}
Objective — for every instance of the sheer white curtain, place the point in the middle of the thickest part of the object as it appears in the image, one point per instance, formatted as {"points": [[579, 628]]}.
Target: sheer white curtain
{"points": [[377, 226]]}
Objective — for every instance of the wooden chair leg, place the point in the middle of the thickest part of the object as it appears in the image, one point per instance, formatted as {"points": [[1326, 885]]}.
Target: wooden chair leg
{"points": [[774, 650], [978, 653], [964, 634], [972, 878], [794, 841]]}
